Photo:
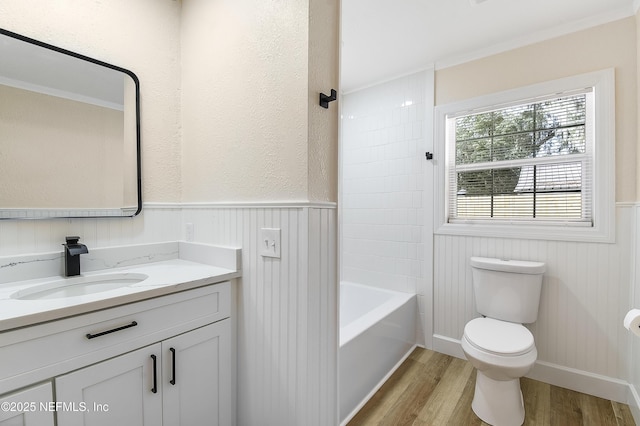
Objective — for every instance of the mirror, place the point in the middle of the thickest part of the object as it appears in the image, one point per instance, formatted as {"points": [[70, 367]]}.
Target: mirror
{"points": [[69, 134]]}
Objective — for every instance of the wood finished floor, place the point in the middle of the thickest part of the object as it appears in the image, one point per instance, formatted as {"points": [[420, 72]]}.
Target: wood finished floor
{"points": [[433, 389]]}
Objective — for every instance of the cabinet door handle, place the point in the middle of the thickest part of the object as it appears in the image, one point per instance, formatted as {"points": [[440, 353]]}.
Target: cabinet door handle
{"points": [[154, 389], [173, 366], [113, 330]]}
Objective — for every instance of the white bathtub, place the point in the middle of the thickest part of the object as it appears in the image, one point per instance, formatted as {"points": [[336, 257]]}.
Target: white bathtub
{"points": [[377, 331]]}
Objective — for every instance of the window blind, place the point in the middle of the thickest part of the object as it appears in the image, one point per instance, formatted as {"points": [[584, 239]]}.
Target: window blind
{"points": [[530, 161]]}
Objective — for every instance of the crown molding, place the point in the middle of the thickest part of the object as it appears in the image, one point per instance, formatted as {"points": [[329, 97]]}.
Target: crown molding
{"points": [[539, 36]]}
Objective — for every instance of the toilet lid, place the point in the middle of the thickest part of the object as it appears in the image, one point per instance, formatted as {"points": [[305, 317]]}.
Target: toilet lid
{"points": [[498, 337]]}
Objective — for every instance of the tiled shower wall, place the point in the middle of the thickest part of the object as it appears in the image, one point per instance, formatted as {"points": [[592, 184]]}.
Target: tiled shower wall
{"points": [[382, 158], [382, 202]]}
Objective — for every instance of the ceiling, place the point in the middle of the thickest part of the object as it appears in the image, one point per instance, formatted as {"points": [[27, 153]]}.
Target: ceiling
{"points": [[383, 39]]}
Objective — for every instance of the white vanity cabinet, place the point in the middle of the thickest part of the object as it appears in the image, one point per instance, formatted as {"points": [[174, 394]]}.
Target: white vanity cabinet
{"points": [[28, 407], [196, 388], [185, 380], [116, 391], [162, 361]]}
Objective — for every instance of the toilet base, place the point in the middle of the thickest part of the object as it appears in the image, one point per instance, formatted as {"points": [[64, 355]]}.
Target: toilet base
{"points": [[498, 403]]}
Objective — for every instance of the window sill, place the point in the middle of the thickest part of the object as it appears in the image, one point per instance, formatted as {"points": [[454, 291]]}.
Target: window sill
{"points": [[603, 234]]}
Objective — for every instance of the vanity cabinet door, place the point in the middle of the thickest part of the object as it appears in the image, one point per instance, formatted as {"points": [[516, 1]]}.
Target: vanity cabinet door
{"points": [[28, 407], [181, 381], [125, 390], [197, 377]]}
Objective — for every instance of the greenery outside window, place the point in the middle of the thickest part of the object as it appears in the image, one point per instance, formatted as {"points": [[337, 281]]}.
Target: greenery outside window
{"points": [[535, 162], [529, 161]]}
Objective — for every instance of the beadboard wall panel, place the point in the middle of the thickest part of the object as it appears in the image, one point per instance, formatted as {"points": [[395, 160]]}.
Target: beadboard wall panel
{"points": [[634, 342], [584, 298], [287, 308], [287, 318], [46, 235]]}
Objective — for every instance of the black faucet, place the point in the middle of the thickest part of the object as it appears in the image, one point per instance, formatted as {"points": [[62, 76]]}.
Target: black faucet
{"points": [[72, 251]]}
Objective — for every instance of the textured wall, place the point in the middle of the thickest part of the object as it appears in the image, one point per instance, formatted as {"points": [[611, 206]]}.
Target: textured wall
{"points": [[244, 74], [246, 137], [637, 17], [142, 36], [324, 18], [247, 89], [251, 74], [607, 46]]}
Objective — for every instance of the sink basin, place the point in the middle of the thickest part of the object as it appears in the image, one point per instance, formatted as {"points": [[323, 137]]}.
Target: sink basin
{"points": [[78, 286]]}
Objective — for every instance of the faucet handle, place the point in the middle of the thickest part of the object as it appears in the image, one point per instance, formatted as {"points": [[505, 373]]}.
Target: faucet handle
{"points": [[72, 240]]}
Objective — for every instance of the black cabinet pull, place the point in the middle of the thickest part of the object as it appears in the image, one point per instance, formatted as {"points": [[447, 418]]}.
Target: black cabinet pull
{"points": [[113, 330], [173, 366], [154, 389]]}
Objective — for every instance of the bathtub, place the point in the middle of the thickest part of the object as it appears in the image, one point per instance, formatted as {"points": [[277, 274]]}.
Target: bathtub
{"points": [[377, 332]]}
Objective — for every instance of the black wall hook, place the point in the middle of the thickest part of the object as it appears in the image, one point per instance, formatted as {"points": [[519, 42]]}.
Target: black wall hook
{"points": [[324, 99]]}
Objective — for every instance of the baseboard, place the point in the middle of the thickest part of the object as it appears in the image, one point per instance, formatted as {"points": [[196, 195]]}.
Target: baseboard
{"points": [[447, 345], [558, 375], [633, 400], [581, 381]]}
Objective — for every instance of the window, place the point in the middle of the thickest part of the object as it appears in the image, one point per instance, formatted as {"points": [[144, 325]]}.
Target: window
{"points": [[535, 162], [524, 161]]}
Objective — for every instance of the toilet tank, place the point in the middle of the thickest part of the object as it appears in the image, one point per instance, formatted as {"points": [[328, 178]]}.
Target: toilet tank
{"points": [[507, 290]]}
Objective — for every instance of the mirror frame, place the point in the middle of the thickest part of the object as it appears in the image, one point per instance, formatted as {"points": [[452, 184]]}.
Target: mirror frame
{"points": [[137, 106]]}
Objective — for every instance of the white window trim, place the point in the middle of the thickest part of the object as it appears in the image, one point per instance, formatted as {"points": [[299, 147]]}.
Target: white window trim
{"points": [[603, 229]]}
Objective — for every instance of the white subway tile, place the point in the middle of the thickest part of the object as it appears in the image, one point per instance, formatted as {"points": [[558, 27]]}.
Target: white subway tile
{"points": [[390, 120]]}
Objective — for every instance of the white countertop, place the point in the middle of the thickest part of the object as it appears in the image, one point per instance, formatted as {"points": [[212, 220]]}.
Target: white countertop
{"points": [[164, 277]]}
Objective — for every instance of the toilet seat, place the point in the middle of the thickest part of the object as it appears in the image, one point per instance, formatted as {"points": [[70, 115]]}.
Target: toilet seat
{"points": [[497, 337]]}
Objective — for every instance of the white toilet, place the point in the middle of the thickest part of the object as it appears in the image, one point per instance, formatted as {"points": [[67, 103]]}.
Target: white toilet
{"points": [[507, 294]]}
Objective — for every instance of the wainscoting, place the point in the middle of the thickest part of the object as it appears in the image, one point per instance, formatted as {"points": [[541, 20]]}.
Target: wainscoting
{"points": [[287, 322], [35, 236], [634, 342], [586, 293], [287, 336], [287, 319]]}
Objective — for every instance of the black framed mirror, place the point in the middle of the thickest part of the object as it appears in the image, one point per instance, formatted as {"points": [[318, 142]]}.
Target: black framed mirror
{"points": [[69, 134]]}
